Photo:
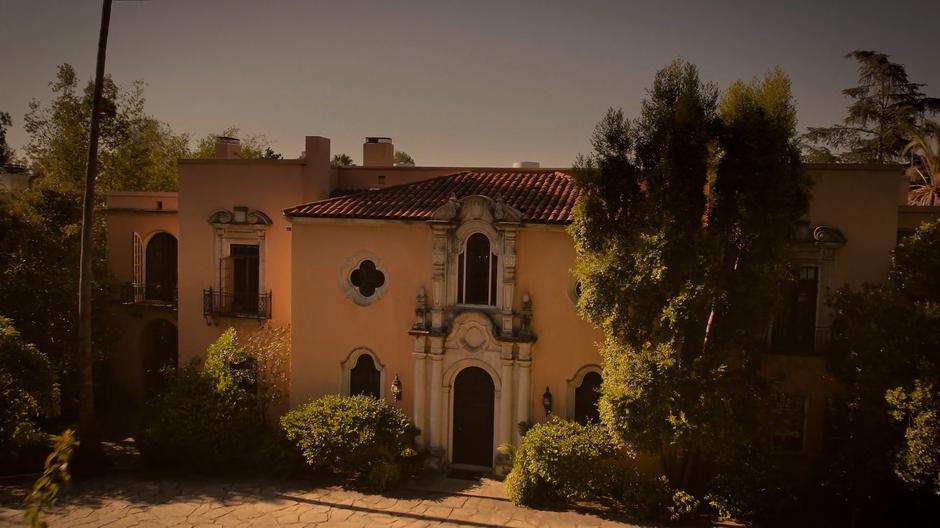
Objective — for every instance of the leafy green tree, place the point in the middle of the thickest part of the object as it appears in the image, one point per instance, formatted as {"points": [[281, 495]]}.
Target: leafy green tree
{"points": [[886, 106], [683, 235], [28, 389], [136, 151], [6, 153], [342, 160], [885, 349], [254, 146], [403, 158]]}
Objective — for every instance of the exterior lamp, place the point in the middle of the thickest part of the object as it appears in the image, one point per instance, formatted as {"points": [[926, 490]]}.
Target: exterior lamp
{"points": [[547, 401], [396, 388]]}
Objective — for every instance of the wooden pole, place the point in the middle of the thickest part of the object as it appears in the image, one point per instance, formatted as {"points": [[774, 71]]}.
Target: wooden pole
{"points": [[86, 358]]}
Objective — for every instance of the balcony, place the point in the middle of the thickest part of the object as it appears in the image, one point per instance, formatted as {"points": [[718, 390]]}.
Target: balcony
{"points": [[156, 295], [236, 304]]}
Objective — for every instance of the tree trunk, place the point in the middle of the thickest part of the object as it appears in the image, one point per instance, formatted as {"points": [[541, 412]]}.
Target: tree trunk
{"points": [[86, 358]]}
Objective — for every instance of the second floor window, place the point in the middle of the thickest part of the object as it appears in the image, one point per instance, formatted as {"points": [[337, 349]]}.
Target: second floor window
{"points": [[794, 325], [240, 278], [161, 268], [476, 272]]}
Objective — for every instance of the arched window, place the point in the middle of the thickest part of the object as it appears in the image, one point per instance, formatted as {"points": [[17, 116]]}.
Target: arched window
{"points": [[476, 272], [586, 397], [161, 268], [365, 378]]}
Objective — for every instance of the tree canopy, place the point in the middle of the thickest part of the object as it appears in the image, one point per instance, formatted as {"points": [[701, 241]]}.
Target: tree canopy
{"points": [[886, 107], [403, 158], [6, 153], [683, 233], [342, 160], [885, 350], [253, 146]]}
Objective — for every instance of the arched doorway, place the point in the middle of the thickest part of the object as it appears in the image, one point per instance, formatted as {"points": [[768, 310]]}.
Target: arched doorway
{"points": [[161, 268], [160, 356], [474, 395]]}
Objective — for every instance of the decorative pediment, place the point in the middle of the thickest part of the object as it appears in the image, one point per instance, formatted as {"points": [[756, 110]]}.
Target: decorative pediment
{"points": [[239, 216], [476, 207]]}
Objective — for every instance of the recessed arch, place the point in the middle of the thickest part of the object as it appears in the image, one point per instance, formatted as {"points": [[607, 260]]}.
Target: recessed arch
{"points": [[351, 362], [474, 417], [160, 266], [578, 382]]}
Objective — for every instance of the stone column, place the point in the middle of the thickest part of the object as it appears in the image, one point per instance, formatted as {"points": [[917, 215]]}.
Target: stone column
{"points": [[509, 279], [505, 397], [438, 274], [419, 413], [523, 385], [436, 388]]}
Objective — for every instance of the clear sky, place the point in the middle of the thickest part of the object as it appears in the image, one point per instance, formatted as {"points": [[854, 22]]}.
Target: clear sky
{"points": [[454, 83]]}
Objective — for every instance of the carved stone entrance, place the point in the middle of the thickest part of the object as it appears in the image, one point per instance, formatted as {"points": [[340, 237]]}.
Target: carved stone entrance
{"points": [[474, 399]]}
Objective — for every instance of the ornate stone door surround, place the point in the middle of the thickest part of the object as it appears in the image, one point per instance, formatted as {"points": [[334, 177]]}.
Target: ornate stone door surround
{"points": [[449, 337]]}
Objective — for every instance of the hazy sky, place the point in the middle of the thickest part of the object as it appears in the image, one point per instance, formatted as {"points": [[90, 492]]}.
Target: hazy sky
{"points": [[454, 83]]}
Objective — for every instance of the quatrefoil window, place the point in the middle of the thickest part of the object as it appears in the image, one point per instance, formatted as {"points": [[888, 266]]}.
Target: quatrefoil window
{"points": [[366, 278]]}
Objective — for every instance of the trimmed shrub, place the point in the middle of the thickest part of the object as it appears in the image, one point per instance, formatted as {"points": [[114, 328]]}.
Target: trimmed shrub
{"points": [[196, 425], [210, 419], [564, 461], [560, 460], [357, 435]]}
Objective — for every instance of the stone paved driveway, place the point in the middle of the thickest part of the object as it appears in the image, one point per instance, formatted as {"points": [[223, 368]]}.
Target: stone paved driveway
{"points": [[127, 501]]}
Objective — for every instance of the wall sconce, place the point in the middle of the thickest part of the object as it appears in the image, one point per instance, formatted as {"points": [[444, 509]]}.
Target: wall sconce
{"points": [[396, 388], [547, 401]]}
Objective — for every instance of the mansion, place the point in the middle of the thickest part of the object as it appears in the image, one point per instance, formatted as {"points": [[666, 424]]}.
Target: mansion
{"points": [[447, 291]]}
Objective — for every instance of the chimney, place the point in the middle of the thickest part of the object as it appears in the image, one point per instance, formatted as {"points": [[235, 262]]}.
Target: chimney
{"points": [[227, 148], [378, 152], [319, 177], [525, 165]]}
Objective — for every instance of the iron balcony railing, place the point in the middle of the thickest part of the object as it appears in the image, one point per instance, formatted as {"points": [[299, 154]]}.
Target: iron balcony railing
{"points": [[236, 304], [157, 294]]}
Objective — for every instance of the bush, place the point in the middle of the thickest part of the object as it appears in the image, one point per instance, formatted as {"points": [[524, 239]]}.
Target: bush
{"points": [[28, 390], [560, 460], [211, 420], [353, 435], [564, 461], [196, 424]]}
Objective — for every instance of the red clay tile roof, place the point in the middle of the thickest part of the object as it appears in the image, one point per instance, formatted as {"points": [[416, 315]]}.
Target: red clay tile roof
{"points": [[543, 197]]}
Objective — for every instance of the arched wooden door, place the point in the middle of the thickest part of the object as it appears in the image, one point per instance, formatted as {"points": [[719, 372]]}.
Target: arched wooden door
{"points": [[160, 355], [474, 397]]}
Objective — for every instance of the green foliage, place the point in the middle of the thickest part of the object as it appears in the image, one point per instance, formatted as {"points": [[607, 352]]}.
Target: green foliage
{"points": [[924, 150], [255, 146], [886, 107], [683, 236], [403, 158], [211, 420], [342, 160], [885, 350], [919, 457], [354, 435], [28, 389], [54, 476], [561, 460], [136, 151], [6, 153]]}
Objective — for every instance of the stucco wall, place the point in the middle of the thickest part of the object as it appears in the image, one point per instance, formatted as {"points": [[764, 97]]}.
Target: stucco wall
{"points": [[328, 326], [206, 187]]}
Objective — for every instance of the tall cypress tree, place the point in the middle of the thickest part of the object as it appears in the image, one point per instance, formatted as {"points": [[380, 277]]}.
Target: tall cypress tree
{"points": [[682, 234]]}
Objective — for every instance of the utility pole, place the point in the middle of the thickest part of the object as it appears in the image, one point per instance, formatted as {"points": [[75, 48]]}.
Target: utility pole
{"points": [[86, 358]]}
